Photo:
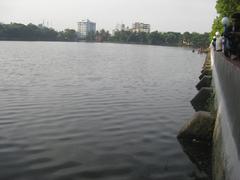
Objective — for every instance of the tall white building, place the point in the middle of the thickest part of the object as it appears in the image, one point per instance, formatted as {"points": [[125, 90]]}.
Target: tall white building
{"points": [[140, 27], [85, 27]]}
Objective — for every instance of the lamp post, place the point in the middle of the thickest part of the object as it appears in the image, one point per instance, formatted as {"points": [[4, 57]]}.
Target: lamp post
{"points": [[225, 22], [226, 46]]}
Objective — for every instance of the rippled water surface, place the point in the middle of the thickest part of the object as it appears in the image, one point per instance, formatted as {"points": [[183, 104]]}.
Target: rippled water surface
{"points": [[94, 111]]}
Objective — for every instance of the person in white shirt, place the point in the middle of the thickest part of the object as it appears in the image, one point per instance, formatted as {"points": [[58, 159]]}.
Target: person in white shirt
{"points": [[219, 41]]}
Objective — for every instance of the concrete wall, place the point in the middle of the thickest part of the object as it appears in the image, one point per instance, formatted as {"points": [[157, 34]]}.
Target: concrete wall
{"points": [[226, 148]]}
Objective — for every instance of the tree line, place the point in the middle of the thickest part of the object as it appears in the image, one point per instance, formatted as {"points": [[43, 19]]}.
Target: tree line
{"points": [[224, 8], [31, 32], [163, 38]]}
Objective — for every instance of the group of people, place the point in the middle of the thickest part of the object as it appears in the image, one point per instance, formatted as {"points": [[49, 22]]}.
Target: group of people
{"points": [[229, 41]]}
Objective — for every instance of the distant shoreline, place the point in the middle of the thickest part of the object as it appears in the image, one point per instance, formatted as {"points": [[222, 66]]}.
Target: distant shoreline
{"points": [[31, 32], [105, 42]]}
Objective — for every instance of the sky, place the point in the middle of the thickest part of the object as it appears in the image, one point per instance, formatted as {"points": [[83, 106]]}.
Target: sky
{"points": [[162, 15]]}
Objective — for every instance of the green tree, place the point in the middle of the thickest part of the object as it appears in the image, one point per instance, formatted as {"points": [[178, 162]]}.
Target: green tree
{"points": [[224, 8], [186, 37], [102, 35], [172, 38], [156, 38], [67, 35], [227, 7]]}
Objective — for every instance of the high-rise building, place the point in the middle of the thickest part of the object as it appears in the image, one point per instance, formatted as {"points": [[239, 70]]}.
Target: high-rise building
{"points": [[140, 27], [85, 27]]}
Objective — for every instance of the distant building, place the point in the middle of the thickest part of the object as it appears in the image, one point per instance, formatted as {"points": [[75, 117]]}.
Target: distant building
{"points": [[85, 27], [140, 27], [119, 27]]}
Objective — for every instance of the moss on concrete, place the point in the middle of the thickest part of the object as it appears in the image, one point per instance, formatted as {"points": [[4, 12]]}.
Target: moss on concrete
{"points": [[201, 101], [206, 81], [218, 164], [200, 127]]}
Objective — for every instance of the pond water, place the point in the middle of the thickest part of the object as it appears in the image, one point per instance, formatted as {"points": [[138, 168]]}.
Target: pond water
{"points": [[95, 111]]}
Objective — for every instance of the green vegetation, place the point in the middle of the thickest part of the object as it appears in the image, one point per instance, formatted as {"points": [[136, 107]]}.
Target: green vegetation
{"points": [[67, 35], [162, 38], [102, 36], [224, 8], [31, 32]]}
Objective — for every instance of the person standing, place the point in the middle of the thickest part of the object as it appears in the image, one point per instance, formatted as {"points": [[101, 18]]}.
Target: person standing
{"points": [[219, 40], [213, 42]]}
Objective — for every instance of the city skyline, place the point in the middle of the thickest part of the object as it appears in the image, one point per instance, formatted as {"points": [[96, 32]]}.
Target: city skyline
{"points": [[163, 15]]}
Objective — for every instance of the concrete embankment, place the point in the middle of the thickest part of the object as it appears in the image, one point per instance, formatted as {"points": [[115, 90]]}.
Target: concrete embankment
{"points": [[217, 120], [226, 138], [196, 135]]}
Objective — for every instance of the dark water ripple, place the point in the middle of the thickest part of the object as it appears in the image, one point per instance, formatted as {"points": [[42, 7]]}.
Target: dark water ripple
{"points": [[94, 111]]}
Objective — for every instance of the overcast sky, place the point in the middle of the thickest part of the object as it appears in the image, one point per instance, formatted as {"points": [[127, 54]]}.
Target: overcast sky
{"points": [[162, 15]]}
